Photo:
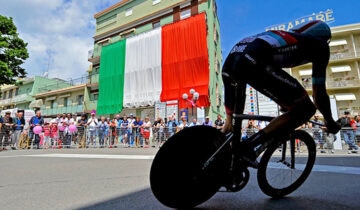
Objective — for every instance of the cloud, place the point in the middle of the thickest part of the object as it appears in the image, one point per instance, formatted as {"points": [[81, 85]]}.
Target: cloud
{"points": [[59, 33]]}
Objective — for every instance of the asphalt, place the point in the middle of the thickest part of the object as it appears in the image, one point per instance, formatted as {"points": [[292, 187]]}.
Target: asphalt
{"points": [[40, 180]]}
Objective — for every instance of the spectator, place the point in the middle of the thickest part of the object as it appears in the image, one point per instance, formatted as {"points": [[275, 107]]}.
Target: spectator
{"points": [[58, 117], [155, 130], [107, 132], [131, 134], [194, 123], [118, 129], [54, 132], [317, 132], [219, 123], [357, 132], [67, 133], [146, 132], [92, 124], [250, 129], [125, 131], [61, 131], [112, 132], [75, 134], [102, 129], [81, 125], [183, 124], [161, 133], [172, 126], [36, 120], [47, 134], [19, 124], [137, 132], [6, 128], [347, 131], [207, 121]]}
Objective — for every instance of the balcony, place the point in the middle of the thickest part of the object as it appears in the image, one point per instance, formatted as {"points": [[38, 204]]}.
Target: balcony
{"points": [[23, 98], [344, 54], [90, 105], [341, 83], [5, 102], [94, 53], [60, 110], [93, 79]]}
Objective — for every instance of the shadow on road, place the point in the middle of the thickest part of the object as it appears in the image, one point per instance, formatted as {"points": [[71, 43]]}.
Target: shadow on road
{"points": [[144, 199]]}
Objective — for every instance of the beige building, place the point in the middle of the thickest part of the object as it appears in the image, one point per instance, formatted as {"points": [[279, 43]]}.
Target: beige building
{"points": [[343, 72], [66, 100]]}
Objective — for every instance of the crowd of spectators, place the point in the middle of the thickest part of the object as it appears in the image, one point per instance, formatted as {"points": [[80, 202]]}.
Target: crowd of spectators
{"points": [[131, 131]]}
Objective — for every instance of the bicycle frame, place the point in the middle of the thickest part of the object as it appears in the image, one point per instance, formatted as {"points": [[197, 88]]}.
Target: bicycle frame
{"points": [[235, 138]]}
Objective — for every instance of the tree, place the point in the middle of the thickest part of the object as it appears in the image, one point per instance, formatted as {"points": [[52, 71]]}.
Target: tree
{"points": [[13, 52]]}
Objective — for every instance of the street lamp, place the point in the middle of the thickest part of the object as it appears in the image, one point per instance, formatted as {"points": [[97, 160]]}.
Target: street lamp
{"points": [[195, 97]]}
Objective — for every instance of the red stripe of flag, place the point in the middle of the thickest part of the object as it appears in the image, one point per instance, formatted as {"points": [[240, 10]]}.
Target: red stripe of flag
{"points": [[287, 37]]}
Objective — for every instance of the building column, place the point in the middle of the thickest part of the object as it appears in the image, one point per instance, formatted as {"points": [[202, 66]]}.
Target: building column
{"points": [[357, 69], [176, 15], [353, 44], [194, 7]]}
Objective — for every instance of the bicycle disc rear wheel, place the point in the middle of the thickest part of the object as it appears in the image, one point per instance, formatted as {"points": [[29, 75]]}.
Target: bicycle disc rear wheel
{"points": [[285, 165], [176, 177]]}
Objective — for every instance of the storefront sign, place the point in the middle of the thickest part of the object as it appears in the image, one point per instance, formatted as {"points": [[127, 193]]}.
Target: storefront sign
{"points": [[327, 16]]}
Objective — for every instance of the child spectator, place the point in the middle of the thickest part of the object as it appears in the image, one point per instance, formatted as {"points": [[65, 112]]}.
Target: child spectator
{"points": [[54, 132], [47, 134]]}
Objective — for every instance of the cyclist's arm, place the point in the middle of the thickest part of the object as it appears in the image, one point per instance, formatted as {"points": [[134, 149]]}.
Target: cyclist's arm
{"points": [[321, 98]]}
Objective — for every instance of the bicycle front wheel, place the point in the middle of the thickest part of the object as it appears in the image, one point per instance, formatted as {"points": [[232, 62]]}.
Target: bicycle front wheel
{"points": [[285, 165]]}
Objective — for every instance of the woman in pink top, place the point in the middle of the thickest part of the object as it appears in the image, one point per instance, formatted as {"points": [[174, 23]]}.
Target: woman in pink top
{"points": [[54, 133]]}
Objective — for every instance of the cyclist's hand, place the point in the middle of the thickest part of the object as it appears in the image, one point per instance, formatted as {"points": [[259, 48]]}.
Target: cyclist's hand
{"points": [[333, 127]]}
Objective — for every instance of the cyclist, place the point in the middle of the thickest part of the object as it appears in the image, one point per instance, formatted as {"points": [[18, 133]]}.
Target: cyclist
{"points": [[258, 60]]}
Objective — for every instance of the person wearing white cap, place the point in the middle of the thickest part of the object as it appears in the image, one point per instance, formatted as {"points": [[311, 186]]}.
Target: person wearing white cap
{"points": [[131, 120], [207, 121]]}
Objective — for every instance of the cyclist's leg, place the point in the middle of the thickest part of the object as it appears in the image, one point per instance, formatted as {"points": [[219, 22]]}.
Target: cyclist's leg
{"points": [[289, 93], [235, 89]]}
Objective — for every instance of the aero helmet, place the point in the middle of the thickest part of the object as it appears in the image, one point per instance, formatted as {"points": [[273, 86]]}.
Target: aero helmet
{"points": [[315, 28]]}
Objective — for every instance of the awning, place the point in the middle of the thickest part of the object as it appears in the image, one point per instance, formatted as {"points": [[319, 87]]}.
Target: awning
{"points": [[36, 104], [337, 69], [337, 43], [345, 97], [305, 72], [51, 98]]}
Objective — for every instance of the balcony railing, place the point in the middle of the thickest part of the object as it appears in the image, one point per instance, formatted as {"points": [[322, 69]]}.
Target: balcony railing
{"points": [[341, 83], [344, 55], [90, 105], [94, 79], [60, 110], [72, 82], [22, 98], [96, 52]]}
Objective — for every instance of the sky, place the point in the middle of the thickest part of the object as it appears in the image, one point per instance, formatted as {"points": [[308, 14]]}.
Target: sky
{"points": [[59, 32], [241, 18]]}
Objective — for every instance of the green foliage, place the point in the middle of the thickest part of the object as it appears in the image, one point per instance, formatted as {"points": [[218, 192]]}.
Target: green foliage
{"points": [[13, 52]]}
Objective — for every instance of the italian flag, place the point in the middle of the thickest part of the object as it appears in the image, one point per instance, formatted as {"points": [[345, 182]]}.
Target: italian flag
{"points": [[159, 65]]}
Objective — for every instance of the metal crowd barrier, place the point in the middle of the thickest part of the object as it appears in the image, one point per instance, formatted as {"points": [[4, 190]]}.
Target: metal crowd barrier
{"points": [[139, 137]]}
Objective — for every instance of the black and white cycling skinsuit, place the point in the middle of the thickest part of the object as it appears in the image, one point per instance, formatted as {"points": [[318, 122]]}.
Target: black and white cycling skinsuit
{"points": [[258, 60]]}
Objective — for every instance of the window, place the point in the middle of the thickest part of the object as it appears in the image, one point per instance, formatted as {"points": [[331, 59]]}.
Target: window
{"points": [[156, 1], [4, 95], [52, 104], [17, 91], [95, 97], [128, 12], [11, 93], [185, 14], [28, 90], [156, 24], [65, 102], [217, 96], [80, 100]]}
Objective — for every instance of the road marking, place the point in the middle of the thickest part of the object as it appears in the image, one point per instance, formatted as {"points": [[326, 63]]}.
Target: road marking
{"points": [[322, 168], [89, 156]]}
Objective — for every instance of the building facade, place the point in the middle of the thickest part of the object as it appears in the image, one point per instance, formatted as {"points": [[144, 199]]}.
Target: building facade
{"points": [[343, 72], [21, 96], [133, 17], [65, 100]]}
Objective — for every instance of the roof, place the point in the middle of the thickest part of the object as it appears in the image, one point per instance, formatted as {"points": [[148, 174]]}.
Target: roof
{"points": [[111, 8], [346, 28], [55, 92]]}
